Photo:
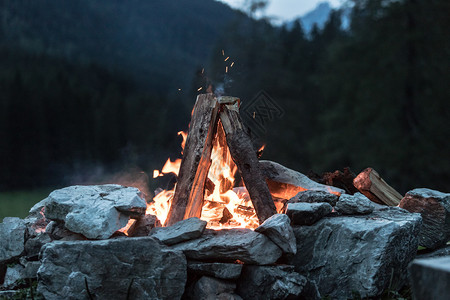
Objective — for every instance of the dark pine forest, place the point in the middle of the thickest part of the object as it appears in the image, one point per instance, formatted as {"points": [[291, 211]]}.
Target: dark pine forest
{"points": [[91, 89]]}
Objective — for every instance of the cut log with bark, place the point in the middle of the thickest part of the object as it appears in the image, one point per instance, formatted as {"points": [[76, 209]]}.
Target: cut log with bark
{"points": [[189, 192], [369, 183], [244, 156]]}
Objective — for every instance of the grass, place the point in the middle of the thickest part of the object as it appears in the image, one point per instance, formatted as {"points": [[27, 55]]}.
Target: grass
{"points": [[18, 203]]}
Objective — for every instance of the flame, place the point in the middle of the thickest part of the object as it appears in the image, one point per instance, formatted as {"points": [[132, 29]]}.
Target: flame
{"points": [[225, 205], [184, 137]]}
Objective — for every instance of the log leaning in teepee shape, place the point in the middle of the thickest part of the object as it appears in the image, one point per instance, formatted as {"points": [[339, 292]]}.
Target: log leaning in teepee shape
{"points": [[189, 192], [244, 156]]}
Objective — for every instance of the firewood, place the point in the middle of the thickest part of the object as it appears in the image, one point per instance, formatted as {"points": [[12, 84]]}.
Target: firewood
{"points": [[376, 189], [189, 192], [244, 156], [286, 183]]}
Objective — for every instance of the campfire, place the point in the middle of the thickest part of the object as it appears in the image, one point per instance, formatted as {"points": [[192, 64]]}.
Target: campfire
{"points": [[232, 227], [219, 178]]}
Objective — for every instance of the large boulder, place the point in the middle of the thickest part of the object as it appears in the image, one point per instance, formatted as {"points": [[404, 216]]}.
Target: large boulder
{"points": [[430, 278], [434, 207], [228, 245], [12, 237], [275, 282], [343, 254], [128, 268], [95, 211]]}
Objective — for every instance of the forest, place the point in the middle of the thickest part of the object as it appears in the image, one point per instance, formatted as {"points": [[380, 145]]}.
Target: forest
{"points": [[91, 89]]}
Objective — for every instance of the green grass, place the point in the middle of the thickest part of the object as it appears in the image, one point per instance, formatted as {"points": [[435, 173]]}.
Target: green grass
{"points": [[18, 203]]}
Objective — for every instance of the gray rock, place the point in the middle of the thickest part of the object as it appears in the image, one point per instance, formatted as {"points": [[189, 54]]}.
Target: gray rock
{"points": [[228, 245], [95, 211], [209, 288], [144, 266], [356, 204], [145, 224], [184, 230], [278, 229], [12, 237], [286, 183], [357, 253], [33, 245], [13, 276], [307, 213], [217, 270], [17, 273], [31, 268], [275, 282], [57, 231], [434, 207], [430, 278], [311, 196]]}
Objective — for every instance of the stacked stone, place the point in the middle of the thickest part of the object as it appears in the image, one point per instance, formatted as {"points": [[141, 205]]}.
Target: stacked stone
{"points": [[324, 246]]}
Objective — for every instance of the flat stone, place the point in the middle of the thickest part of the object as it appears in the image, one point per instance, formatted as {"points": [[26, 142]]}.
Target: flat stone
{"points": [[217, 270], [430, 278], [307, 213], [209, 288], [278, 229], [274, 282], [286, 183], [12, 237], [145, 224], [434, 207], [343, 254], [356, 204], [181, 231], [311, 196], [95, 211], [144, 266], [229, 245]]}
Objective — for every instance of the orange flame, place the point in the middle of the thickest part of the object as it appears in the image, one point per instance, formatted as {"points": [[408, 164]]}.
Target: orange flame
{"points": [[225, 206]]}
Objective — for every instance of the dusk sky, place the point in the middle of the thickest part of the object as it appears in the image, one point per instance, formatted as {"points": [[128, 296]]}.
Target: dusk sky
{"points": [[287, 9]]}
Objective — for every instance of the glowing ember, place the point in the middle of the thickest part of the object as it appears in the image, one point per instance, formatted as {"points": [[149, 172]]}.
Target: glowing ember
{"points": [[225, 205]]}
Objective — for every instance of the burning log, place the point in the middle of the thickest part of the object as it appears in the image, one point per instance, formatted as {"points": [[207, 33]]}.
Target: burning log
{"points": [[189, 192], [369, 183], [245, 158]]}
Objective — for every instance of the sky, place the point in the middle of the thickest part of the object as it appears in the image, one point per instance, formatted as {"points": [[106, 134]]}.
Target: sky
{"points": [[287, 9]]}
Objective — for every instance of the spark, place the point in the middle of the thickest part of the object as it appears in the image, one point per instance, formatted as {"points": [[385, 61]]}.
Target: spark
{"points": [[254, 114], [232, 64], [226, 69], [203, 70], [226, 58], [199, 89], [223, 52]]}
